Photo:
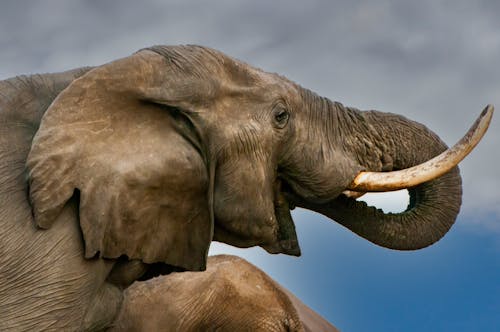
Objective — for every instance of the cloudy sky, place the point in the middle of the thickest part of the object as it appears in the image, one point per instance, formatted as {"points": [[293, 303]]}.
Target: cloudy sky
{"points": [[437, 62]]}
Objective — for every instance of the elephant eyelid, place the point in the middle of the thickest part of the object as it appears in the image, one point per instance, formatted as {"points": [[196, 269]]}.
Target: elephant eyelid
{"points": [[281, 115]]}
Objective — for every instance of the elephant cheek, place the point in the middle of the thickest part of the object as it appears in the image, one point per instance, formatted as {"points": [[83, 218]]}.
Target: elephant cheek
{"points": [[244, 208]]}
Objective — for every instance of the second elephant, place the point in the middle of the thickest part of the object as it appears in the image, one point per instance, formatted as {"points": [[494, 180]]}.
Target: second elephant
{"points": [[231, 295]]}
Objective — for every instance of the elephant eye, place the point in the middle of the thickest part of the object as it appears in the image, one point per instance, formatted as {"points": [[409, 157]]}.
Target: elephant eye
{"points": [[281, 116]]}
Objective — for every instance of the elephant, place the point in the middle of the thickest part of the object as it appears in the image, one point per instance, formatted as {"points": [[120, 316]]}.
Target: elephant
{"points": [[126, 171], [164, 302]]}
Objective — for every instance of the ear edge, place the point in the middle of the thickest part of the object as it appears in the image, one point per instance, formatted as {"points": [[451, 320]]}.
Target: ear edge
{"points": [[49, 192]]}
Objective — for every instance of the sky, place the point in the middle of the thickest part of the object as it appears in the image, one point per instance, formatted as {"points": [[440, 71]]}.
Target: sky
{"points": [[436, 62]]}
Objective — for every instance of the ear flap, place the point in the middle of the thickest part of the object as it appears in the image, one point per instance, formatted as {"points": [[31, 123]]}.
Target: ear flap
{"points": [[143, 184]]}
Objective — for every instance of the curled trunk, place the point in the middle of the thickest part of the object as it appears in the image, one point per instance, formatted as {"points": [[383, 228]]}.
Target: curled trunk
{"points": [[433, 205]]}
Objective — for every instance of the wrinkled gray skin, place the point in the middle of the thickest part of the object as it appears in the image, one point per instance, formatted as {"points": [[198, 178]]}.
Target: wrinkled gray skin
{"points": [[153, 156]]}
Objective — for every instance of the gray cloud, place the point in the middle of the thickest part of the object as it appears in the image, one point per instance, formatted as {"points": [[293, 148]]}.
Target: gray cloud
{"points": [[437, 62]]}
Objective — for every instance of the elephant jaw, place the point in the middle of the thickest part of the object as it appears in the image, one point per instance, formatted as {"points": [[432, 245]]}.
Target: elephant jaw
{"points": [[287, 242], [287, 238], [274, 231]]}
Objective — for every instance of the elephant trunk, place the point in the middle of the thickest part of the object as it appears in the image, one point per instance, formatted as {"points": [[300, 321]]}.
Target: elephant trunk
{"points": [[433, 205]]}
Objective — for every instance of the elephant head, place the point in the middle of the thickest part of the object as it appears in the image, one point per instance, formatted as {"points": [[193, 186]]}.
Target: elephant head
{"points": [[174, 146]]}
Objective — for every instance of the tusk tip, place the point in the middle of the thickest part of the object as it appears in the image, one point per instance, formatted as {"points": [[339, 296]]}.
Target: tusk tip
{"points": [[488, 112], [482, 122]]}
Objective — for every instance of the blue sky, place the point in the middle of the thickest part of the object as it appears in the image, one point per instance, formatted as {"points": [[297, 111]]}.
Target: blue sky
{"points": [[437, 62]]}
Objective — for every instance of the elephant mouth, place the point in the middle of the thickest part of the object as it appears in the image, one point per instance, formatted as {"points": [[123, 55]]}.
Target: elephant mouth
{"points": [[287, 242]]}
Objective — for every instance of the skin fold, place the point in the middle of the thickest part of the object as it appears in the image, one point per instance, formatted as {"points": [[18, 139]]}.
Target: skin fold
{"points": [[129, 170]]}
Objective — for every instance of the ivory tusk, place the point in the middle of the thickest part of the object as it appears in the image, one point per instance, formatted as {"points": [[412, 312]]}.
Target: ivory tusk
{"points": [[431, 169], [353, 194]]}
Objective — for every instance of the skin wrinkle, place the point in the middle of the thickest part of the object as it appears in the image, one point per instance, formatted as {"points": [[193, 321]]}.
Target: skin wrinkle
{"points": [[38, 307], [346, 129], [244, 143]]}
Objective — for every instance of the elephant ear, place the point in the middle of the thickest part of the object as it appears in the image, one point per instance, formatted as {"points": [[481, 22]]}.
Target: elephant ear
{"points": [[134, 164]]}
